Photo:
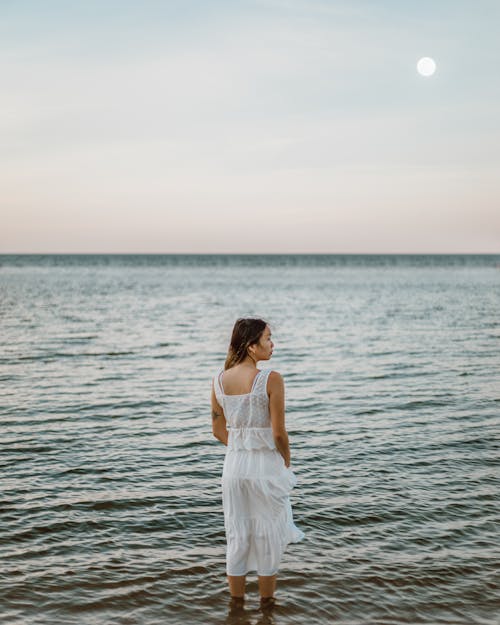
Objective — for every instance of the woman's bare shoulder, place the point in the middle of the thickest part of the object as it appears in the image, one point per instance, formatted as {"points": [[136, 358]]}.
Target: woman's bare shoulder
{"points": [[274, 380]]}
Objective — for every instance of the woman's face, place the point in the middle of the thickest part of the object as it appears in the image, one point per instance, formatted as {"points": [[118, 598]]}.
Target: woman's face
{"points": [[264, 348]]}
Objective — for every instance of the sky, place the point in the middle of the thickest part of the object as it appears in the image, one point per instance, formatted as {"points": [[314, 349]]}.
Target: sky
{"points": [[272, 126]]}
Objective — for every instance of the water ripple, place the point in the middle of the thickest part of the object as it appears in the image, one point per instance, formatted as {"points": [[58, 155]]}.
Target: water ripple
{"points": [[111, 503]]}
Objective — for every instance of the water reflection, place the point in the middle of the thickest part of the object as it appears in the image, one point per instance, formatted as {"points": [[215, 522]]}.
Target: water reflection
{"points": [[238, 614]]}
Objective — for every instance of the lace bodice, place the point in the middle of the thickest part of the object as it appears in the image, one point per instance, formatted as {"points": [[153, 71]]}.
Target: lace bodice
{"points": [[247, 415]]}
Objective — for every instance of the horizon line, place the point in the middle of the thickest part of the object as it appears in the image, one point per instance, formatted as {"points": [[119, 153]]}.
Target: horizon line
{"points": [[250, 253]]}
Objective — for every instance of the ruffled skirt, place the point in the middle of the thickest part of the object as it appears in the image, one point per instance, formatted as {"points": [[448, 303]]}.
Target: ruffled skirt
{"points": [[258, 515]]}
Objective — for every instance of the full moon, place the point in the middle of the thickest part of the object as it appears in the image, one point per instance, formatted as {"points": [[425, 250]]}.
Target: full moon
{"points": [[426, 66]]}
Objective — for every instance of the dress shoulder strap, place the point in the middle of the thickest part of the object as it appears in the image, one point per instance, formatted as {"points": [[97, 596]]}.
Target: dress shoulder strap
{"points": [[219, 391], [261, 383]]}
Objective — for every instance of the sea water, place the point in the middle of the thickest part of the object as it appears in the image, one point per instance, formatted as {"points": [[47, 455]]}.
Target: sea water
{"points": [[111, 508]]}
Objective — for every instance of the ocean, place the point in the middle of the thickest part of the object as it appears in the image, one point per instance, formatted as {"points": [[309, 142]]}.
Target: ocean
{"points": [[111, 508]]}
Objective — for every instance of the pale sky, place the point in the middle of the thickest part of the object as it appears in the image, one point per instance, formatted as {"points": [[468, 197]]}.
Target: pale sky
{"points": [[273, 126]]}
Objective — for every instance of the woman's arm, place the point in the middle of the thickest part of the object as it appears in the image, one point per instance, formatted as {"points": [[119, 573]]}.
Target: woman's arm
{"points": [[218, 420], [277, 413]]}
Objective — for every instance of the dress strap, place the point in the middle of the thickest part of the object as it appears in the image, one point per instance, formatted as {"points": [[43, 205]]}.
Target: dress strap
{"points": [[219, 380], [219, 391], [254, 383], [261, 386]]}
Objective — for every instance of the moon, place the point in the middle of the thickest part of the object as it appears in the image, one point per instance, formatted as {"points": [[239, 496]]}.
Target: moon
{"points": [[426, 66]]}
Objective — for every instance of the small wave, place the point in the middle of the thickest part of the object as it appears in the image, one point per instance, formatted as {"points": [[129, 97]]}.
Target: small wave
{"points": [[420, 403], [60, 355]]}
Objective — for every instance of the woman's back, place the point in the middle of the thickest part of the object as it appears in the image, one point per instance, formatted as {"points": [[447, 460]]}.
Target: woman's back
{"points": [[244, 410], [239, 380]]}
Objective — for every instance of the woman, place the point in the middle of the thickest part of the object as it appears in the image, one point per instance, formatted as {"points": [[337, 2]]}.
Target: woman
{"points": [[248, 415]]}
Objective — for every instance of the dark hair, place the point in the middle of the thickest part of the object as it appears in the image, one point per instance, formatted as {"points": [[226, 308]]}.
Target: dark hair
{"points": [[246, 332]]}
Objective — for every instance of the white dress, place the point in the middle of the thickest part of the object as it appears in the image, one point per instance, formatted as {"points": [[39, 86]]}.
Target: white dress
{"points": [[255, 482]]}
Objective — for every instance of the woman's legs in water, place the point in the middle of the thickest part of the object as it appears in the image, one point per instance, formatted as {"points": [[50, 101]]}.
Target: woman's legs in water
{"points": [[236, 585], [267, 585]]}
